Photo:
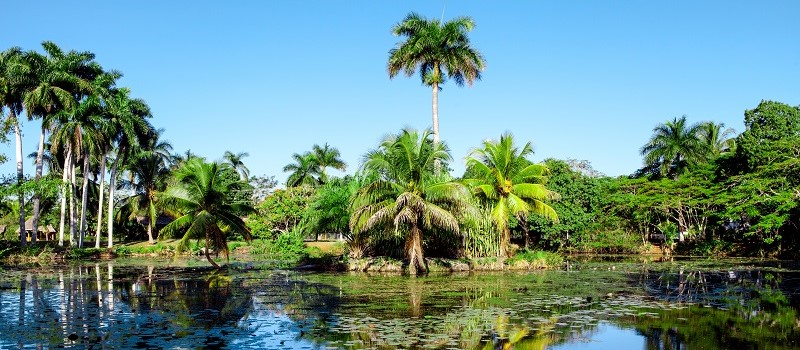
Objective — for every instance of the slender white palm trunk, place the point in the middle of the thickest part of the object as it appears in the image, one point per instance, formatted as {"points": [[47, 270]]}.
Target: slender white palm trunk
{"points": [[435, 113], [84, 198], [20, 177], [64, 184], [102, 195], [112, 186], [36, 197], [72, 190]]}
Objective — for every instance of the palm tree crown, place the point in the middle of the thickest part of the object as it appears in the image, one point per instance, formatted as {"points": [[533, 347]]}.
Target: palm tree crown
{"points": [[304, 171], [408, 193], [674, 147], [436, 50], [235, 161], [504, 177], [326, 157], [716, 138]]}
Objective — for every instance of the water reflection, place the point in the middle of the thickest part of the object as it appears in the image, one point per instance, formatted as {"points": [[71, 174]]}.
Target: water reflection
{"points": [[642, 305]]}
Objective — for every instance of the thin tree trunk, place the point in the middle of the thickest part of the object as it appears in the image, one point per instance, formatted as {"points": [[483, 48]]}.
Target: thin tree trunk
{"points": [[112, 186], [84, 197], [36, 196], [435, 113], [100, 205], [504, 240], [64, 184], [20, 179], [208, 255], [416, 261], [150, 230], [72, 191]]}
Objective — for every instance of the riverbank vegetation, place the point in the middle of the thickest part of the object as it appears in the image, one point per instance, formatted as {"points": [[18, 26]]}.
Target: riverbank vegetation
{"points": [[104, 177]]}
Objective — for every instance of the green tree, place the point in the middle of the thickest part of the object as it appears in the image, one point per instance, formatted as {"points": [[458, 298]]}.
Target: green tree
{"points": [[199, 194], [505, 178], [674, 147], [326, 157], [771, 136], [235, 161], [281, 211], [150, 174], [330, 209], [437, 50], [304, 171], [716, 138], [408, 193]]}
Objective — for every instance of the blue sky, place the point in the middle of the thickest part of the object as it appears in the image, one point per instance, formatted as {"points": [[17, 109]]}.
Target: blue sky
{"points": [[579, 79]]}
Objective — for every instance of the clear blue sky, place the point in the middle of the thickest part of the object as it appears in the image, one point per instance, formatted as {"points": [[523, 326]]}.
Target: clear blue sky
{"points": [[580, 79]]}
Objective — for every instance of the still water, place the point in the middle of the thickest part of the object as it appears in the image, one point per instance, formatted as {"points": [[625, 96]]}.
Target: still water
{"points": [[683, 304]]}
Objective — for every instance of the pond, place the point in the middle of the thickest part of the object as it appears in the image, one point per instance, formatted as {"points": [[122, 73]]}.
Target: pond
{"points": [[622, 304]]}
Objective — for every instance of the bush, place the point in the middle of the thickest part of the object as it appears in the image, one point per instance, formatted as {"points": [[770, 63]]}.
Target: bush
{"points": [[535, 259]]}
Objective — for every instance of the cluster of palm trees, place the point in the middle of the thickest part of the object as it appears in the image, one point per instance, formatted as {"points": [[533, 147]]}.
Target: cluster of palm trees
{"points": [[311, 168], [89, 118], [677, 145]]}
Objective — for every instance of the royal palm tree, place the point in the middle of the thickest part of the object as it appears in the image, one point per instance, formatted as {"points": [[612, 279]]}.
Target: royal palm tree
{"points": [[674, 147], [326, 157], [200, 194], [408, 193], [304, 171], [235, 161], [436, 50], [514, 186], [716, 138], [14, 73]]}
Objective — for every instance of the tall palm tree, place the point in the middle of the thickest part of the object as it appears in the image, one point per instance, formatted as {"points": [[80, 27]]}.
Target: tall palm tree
{"points": [[674, 147], [325, 157], [60, 79], [150, 175], [14, 73], [510, 183], [200, 195], [304, 171], [436, 50], [235, 161], [716, 138], [408, 193], [129, 131]]}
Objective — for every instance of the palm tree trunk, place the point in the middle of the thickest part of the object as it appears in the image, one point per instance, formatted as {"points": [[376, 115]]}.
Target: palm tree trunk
{"points": [[20, 178], [36, 198], [150, 230], [504, 240], [84, 197], [112, 186], [64, 184], [208, 255], [435, 113], [100, 205], [416, 261], [72, 191]]}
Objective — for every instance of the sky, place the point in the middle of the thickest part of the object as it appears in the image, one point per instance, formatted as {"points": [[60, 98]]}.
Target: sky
{"points": [[585, 80]]}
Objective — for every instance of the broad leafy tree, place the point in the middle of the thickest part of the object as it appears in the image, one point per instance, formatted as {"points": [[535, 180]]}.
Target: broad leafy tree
{"points": [[408, 194], [436, 51], [199, 194], [503, 176]]}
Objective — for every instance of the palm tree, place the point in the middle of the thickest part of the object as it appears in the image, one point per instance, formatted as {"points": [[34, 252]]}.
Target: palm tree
{"points": [[200, 195], [510, 183], [150, 176], [59, 81], [674, 147], [129, 131], [13, 82], [305, 170], [235, 161], [716, 138], [408, 193], [436, 50], [325, 157]]}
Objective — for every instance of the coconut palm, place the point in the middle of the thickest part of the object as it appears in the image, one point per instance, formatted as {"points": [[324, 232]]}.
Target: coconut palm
{"points": [[304, 171], [235, 161], [437, 50], [200, 194], [408, 193], [150, 175], [716, 138], [326, 157], [510, 183], [129, 131], [14, 73], [674, 147]]}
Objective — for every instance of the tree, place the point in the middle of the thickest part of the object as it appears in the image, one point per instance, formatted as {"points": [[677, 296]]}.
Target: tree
{"points": [[408, 193], [235, 161], [505, 178], [305, 170], [150, 173], [716, 139], [771, 136], [199, 194], [674, 147], [436, 50], [325, 157]]}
